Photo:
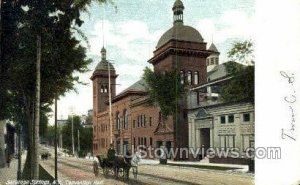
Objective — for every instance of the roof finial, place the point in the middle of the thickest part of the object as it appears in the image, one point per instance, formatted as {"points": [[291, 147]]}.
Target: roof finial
{"points": [[103, 54], [178, 12], [103, 50], [103, 26]]}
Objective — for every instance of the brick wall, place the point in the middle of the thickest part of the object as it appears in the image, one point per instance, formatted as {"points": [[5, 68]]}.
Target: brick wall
{"points": [[185, 56]]}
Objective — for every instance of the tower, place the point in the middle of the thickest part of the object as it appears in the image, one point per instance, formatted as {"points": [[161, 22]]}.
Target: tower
{"points": [[100, 80], [181, 48], [178, 12], [213, 59]]}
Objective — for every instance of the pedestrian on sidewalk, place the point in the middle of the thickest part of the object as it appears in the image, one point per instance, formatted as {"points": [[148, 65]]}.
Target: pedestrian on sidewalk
{"points": [[8, 160]]}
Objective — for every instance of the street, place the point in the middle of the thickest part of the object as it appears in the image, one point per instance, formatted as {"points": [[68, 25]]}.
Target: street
{"points": [[74, 169]]}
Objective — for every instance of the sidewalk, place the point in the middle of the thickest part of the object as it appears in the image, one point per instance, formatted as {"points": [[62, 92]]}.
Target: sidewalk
{"points": [[241, 168], [51, 171], [10, 173]]}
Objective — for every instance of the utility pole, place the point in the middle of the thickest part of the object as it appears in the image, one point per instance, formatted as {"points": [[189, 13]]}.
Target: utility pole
{"points": [[19, 173], [60, 140], [72, 124], [109, 99], [55, 139], [78, 140], [73, 148]]}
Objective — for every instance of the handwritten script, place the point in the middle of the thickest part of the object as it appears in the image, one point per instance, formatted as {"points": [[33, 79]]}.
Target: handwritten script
{"points": [[290, 100]]}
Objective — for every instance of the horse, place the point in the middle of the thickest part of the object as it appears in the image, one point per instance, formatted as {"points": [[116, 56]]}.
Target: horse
{"points": [[119, 164], [44, 156], [125, 163], [104, 163], [122, 164]]}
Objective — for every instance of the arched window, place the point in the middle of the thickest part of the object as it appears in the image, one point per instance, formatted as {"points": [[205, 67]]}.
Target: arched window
{"points": [[102, 89], [125, 117], [189, 77], [105, 89], [118, 121], [196, 77], [182, 77], [139, 121]]}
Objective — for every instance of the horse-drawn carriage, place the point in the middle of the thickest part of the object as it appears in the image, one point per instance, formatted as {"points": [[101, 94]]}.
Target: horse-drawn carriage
{"points": [[119, 167]]}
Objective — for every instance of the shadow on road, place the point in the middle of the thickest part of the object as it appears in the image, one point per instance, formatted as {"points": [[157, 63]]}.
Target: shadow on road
{"points": [[169, 179], [129, 181]]}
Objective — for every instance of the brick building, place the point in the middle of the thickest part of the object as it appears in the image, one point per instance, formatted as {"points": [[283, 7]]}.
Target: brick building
{"points": [[133, 121]]}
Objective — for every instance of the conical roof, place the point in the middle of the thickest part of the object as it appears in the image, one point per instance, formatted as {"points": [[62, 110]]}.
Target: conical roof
{"points": [[213, 47]]}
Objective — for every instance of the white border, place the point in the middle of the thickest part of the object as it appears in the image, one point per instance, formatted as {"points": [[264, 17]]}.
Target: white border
{"points": [[277, 49]]}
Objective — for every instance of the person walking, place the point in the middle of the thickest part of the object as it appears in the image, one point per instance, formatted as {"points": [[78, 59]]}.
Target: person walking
{"points": [[7, 159], [111, 153]]}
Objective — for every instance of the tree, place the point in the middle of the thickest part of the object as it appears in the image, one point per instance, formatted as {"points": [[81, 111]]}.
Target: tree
{"points": [[86, 135], [241, 86], [39, 31], [86, 141], [165, 91], [242, 52], [50, 135]]}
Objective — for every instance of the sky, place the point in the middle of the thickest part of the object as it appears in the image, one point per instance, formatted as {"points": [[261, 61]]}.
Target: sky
{"points": [[130, 31]]}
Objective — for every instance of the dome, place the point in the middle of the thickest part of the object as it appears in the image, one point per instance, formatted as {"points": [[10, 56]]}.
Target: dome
{"points": [[178, 4], [103, 65], [180, 32]]}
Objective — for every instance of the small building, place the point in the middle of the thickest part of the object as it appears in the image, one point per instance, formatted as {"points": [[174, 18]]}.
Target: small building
{"points": [[216, 125], [87, 120]]}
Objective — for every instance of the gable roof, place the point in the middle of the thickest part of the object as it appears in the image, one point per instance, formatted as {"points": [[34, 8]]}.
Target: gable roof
{"points": [[219, 71], [136, 88]]}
